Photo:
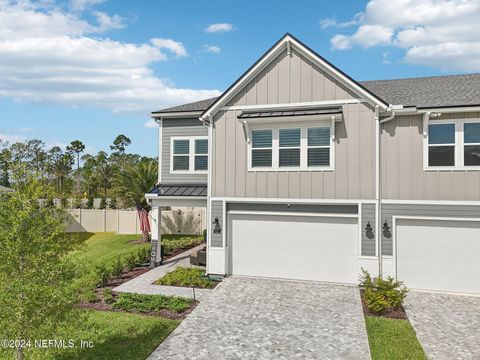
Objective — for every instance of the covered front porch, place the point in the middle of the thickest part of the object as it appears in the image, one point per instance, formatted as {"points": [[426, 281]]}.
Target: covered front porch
{"points": [[164, 196]]}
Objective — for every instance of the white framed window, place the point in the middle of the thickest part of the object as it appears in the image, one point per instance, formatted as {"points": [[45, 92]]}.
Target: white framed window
{"points": [[189, 154], [304, 146], [452, 145]]}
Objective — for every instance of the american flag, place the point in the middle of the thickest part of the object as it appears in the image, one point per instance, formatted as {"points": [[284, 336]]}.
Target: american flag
{"points": [[144, 221]]}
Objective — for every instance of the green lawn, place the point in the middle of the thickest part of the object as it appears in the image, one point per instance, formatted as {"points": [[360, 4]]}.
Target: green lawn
{"points": [[114, 335], [104, 248], [392, 339]]}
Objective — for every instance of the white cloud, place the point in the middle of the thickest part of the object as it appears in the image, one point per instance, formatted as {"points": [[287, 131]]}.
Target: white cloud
{"points": [[26, 129], [107, 22], [332, 22], [439, 33], [80, 5], [211, 49], [326, 23], [47, 55], [220, 27], [151, 124], [174, 46]]}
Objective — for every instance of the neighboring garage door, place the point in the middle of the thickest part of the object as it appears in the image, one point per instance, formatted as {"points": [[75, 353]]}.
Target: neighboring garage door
{"points": [[439, 255], [294, 247]]}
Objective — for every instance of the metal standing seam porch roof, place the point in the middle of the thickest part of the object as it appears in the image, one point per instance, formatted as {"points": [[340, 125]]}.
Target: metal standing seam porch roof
{"points": [[287, 113], [179, 190]]}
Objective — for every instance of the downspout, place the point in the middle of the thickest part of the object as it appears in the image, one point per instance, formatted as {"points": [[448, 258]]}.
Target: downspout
{"points": [[159, 122], [378, 187]]}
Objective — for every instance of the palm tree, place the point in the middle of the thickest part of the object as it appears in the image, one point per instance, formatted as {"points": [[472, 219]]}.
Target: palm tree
{"points": [[132, 184], [105, 173], [61, 169]]}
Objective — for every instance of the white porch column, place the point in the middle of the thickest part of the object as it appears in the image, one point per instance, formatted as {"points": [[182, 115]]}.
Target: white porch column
{"points": [[156, 254]]}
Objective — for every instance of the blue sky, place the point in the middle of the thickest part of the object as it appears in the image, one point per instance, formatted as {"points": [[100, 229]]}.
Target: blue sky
{"points": [[92, 69]]}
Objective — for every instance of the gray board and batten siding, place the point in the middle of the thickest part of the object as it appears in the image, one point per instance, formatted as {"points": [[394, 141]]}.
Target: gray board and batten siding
{"points": [[216, 212], [180, 127], [403, 174], [291, 79]]}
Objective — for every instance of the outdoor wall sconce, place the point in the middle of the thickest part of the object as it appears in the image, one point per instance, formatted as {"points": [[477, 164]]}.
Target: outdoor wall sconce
{"points": [[385, 226], [217, 229], [369, 231], [368, 227]]}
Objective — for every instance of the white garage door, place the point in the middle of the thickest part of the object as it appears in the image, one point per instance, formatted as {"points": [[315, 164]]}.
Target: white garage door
{"points": [[294, 247], [439, 255]]}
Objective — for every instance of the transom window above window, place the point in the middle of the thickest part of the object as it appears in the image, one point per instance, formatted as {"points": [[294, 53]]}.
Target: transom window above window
{"points": [[284, 148], [189, 154], [453, 144]]}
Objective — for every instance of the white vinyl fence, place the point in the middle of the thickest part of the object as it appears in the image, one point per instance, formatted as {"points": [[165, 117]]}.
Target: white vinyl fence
{"points": [[127, 222]]}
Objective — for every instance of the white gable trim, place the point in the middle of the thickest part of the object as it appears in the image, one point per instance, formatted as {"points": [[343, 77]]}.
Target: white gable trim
{"points": [[285, 44]]}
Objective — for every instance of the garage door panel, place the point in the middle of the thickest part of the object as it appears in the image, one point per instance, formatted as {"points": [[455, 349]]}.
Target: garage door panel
{"points": [[439, 255], [293, 247]]}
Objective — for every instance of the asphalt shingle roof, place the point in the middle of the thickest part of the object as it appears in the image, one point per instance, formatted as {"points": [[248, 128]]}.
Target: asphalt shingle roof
{"points": [[195, 106], [434, 91]]}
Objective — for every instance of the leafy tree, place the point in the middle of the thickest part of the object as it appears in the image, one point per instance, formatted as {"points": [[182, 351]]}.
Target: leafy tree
{"points": [[37, 276], [5, 162], [120, 144]]}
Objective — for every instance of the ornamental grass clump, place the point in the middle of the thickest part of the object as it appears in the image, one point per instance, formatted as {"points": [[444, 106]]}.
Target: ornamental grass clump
{"points": [[382, 294]]}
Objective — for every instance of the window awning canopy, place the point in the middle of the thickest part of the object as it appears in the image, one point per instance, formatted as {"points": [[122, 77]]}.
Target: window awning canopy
{"points": [[320, 112], [249, 118], [179, 190]]}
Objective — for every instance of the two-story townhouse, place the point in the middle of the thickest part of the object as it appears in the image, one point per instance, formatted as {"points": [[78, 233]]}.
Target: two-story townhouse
{"points": [[308, 174]]}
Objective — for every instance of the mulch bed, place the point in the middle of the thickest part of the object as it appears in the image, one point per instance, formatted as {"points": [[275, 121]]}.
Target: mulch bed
{"points": [[392, 314], [101, 305], [127, 276]]}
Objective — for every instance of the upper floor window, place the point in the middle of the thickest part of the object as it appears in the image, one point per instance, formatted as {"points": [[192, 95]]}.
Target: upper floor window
{"points": [[189, 154], [282, 148], [453, 144]]}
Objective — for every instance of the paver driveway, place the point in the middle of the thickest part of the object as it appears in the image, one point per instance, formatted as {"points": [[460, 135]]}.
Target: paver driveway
{"points": [[447, 326], [271, 319]]}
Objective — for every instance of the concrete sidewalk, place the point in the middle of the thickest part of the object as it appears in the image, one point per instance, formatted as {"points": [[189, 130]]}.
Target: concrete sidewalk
{"points": [[143, 284]]}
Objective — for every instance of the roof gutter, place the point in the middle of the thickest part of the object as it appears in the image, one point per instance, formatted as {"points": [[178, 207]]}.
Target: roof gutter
{"points": [[176, 114]]}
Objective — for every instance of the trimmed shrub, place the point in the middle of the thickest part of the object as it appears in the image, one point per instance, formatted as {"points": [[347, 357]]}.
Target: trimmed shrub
{"points": [[188, 277], [104, 274], [382, 294], [143, 255], [117, 268], [108, 295], [89, 296], [131, 262], [150, 303]]}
